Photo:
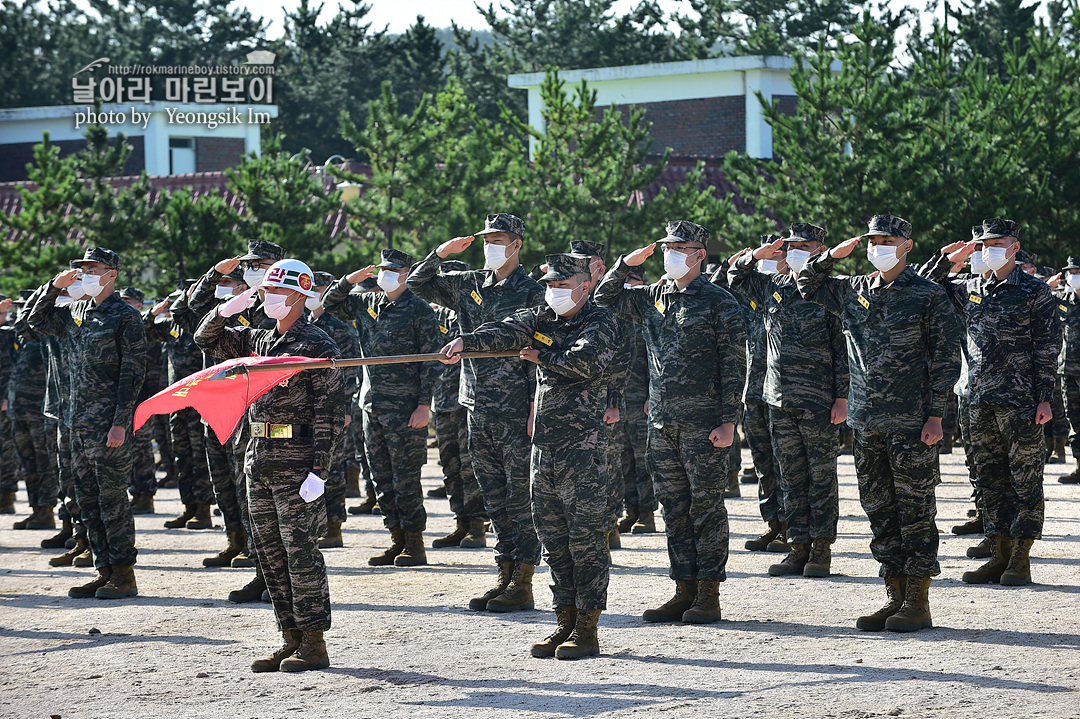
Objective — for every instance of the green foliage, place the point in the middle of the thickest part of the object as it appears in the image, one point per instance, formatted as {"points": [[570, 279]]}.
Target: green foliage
{"points": [[761, 27], [199, 234]]}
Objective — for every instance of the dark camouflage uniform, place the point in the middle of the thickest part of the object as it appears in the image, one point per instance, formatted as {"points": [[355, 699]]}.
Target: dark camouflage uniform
{"points": [[143, 476], [106, 368], [903, 359], [1013, 344], [391, 393], [26, 400], [638, 483], [696, 338], [57, 352], [1069, 362], [497, 394], [9, 465], [570, 492], [806, 371], [452, 431], [286, 528]]}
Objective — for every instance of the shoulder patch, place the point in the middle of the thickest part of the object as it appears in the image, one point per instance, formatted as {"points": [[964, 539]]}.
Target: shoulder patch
{"points": [[543, 338], [864, 302]]}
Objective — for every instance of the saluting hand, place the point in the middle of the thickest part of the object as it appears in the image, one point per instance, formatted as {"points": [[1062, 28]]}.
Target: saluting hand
{"points": [[65, 279], [355, 278], [5, 305], [226, 266], [1055, 281], [723, 435], [772, 251], [845, 248], [160, 307], [637, 257], [454, 246], [960, 255]]}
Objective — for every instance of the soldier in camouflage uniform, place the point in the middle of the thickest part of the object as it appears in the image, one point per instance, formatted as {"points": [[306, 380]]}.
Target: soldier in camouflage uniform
{"points": [[1013, 343], [696, 338], [452, 435], [1069, 359], [717, 274], [572, 342], [143, 483], [806, 388], [345, 337], [639, 498], [9, 477], [25, 400], [498, 394], [395, 398], [292, 429], [107, 364], [903, 359]]}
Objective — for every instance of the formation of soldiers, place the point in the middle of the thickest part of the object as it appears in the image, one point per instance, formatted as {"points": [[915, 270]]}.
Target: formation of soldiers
{"points": [[613, 397]]}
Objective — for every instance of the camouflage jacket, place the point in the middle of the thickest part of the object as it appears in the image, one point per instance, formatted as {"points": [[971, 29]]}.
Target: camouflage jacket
{"points": [[446, 386], [348, 343], [200, 300], [26, 386], [1013, 336], [7, 356], [757, 352], [636, 390], [903, 360], [618, 370], [498, 386], [806, 366], [311, 398], [697, 347], [1068, 312], [57, 352], [405, 326], [182, 356], [107, 361], [573, 354]]}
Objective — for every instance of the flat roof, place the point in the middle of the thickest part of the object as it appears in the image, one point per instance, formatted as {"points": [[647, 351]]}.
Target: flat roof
{"points": [[660, 69]]}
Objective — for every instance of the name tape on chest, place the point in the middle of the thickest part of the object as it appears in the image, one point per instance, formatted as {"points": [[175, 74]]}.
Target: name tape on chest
{"points": [[776, 296], [444, 330], [659, 305], [753, 305], [864, 302], [76, 320], [174, 333], [371, 312], [476, 298], [243, 320], [975, 298], [543, 338], [1063, 308]]}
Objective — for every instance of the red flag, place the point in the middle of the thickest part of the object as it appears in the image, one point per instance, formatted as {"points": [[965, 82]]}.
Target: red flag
{"points": [[221, 396]]}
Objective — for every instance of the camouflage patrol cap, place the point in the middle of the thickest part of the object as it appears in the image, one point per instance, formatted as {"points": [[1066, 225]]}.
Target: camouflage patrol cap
{"points": [[769, 239], [263, 250], [132, 293], [685, 231], [237, 274], [563, 267], [454, 266], [324, 279], [638, 272], [1073, 263], [185, 284], [24, 295], [976, 233], [396, 260], [996, 227], [805, 232], [711, 267], [889, 226], [1024, 258], [99, 254], [588, 249], [503, 222]]}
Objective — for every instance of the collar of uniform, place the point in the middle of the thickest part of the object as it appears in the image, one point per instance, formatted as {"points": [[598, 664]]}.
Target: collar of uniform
{"points": [[1013, 278], [105, 303], [695, 284], [585, 309], [512, 280], [404, 299], [899, 283], [290, 336]]}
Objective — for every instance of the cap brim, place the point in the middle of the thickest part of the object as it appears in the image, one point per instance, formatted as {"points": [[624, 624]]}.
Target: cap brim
{"points": [[494, 231], [556, 276], [253, 256], [668, 238], [994, 236], [880, 233], [392, 266]]}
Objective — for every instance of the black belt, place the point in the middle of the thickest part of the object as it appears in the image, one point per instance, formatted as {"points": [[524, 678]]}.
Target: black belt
{"points": [[270, 430]]}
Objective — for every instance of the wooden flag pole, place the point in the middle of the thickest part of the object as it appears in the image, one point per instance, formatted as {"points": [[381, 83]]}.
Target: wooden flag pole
{"points": [[363, 361]]}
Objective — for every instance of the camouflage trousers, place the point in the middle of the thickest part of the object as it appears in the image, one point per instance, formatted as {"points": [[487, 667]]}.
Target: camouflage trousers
{"points": [[500, 454], [611, 439], [963, 421], [950, 422], [358, 456], [898, 475], [396, 453], [759, 439], [143, 478], [1058, 427], [36, 464], [9, 460], [571, 512], [805, 446], [638, 495], [101, 475], [1008, 449], [690, 476], [159, 425], [1070, 389], [452, 435], [334, 476], [735, 450], [192, 469], [286, 532], [69, 503], [224, 482]]}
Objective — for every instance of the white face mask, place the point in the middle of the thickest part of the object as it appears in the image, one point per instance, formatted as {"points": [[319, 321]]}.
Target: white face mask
{"points": [[628, 286], [496, 255], [767, 266], [76, 290], [61, 301], [797, 259], [676, 264], [313, 303], [883, 257], [389, 280], [276, 306], [253, 277], [221, 292], [560, 299], [995, 257], [1074, 281], [91, 285], [978, 266]]}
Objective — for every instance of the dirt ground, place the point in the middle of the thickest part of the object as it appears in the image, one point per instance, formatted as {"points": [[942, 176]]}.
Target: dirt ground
{"points": [[403, 644]]}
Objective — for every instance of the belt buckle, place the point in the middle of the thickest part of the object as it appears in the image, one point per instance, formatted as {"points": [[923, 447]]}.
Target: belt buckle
{"points": [[258, 429], [280, 431]]}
